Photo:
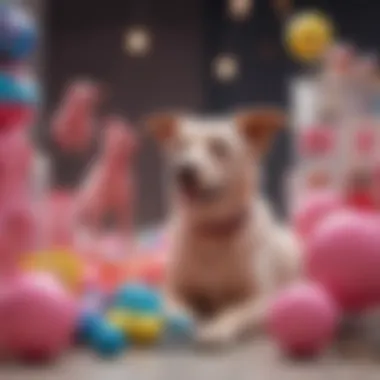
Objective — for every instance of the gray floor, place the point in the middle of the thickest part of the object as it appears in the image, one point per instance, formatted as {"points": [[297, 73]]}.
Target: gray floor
{"points": [[258, 361]]}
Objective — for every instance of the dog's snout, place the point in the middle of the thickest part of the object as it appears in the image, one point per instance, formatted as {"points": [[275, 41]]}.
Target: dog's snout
{"points": [[187, 176]]}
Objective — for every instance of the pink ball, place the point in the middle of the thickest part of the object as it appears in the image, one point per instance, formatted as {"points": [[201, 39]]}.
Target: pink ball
{"points": [[312, 209], [38, 317], [343, 254], [303, 319]]}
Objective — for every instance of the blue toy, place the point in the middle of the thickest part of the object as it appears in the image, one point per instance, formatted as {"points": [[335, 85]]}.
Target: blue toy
{"points": [[18, 89], [138, 298], [18, 33], [88, 324], [107, 340]]}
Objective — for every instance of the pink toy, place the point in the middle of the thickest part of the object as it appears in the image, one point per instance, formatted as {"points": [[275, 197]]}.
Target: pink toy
{"points": [[109, 187], [303, 319], [365, 140], [37, 317], [313, 208], [343, 254], [73, 123]]}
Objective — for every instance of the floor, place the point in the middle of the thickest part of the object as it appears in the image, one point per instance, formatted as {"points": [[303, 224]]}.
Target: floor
{"points": [[255, 361]]}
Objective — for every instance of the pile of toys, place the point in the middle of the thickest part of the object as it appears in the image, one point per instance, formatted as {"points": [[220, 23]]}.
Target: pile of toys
{"points": [[335, 211]]}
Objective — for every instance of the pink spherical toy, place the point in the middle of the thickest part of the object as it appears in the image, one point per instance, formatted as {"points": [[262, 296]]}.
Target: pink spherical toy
{"points": [[343, 254], [316, 206], [39, 317], [303, 319]]}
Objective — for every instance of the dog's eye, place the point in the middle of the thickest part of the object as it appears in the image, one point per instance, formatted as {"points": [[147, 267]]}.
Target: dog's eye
{"points": [[218, 148]]}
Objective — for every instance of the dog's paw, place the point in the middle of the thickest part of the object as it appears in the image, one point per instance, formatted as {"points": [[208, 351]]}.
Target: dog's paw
{"points": [[215, 335]]}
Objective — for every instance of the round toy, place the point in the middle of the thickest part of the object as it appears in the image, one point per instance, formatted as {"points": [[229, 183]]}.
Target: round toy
{"points": [[67, 266], [18, 99], [308, 35], [18, 37], [138, 298], [88, 322], [118, 318], [313, 208], [343, 254], [41, 317], [303, 319], [107, 340], [144, 329]]}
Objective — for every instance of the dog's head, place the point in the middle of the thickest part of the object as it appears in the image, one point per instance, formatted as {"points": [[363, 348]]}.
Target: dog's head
{"points": [[214, 161]]}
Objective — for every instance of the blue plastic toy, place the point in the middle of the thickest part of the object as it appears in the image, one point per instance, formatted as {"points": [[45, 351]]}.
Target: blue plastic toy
{"points": [[88, 324], [138, 298], [108, 341], [18, 89], [18, 33]]}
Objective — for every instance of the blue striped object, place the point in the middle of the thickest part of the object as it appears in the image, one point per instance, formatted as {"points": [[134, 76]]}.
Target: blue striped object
{"points": [[18, 89], [18, 33]]}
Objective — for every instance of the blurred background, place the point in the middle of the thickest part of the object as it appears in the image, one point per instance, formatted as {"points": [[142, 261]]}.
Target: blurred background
{"points": [[206, 56]]}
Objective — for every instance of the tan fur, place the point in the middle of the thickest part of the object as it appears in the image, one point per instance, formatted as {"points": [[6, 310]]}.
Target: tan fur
{"points": [[231, 275]]}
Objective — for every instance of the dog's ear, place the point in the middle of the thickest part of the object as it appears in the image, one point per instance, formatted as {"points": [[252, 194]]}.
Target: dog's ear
{"points": [[162, 126], [259, 126]]}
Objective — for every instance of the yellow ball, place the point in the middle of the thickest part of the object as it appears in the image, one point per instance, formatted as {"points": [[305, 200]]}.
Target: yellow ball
{"points": [[144, 329], [308, 35], [65, 265]]}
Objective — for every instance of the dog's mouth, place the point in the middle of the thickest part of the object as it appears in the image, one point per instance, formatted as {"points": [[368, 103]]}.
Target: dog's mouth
{"points": [[200, 193]]}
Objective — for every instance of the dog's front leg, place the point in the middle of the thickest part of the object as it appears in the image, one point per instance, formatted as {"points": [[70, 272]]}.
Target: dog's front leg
{"points": [[231, 324]]}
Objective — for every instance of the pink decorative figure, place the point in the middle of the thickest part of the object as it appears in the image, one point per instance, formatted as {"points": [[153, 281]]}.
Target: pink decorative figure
{"points": [[37, 317], [73, 123], [303, 319], [343, 254], [109, 188]]}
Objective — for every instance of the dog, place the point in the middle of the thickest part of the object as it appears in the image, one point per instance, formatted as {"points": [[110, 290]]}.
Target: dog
{"points": [[228, 254]]}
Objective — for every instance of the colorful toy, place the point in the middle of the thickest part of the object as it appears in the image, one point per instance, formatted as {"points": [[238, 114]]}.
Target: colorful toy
{"points": [[74, 121], [108, 340], [66, 266], [109, 187], [343, 254], [144, 329], [87, 324], [138, 298], [313, 208], [308, 35], [303, 319], [19, 96], [18, 37]]}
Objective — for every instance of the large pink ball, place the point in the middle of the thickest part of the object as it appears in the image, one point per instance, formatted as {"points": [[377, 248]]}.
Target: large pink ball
{"points": [[313, 208], [343, 254], [38, 317], [303, 319]]}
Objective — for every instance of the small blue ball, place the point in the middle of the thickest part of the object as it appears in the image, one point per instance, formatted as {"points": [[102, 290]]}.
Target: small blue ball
{"points": [[18, 33], [18, 89], [88, 324], [108, 341], [138, 298]]}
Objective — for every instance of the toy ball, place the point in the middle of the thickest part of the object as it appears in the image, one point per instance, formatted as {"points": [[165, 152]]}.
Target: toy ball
{"points": [[118, 318], [138, 298], [65, 265], [88, 322], [144, 329], [343, 254], [313, 208], [18, 36], [41, 317], [303, 319], [107, 340], [308, 35]]}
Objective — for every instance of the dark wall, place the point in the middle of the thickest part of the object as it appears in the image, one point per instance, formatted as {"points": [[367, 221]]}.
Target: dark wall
{"points": [[85, 38]]}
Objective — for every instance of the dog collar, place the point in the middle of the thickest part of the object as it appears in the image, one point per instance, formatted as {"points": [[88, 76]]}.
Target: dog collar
{"points": [[222, 228]]}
